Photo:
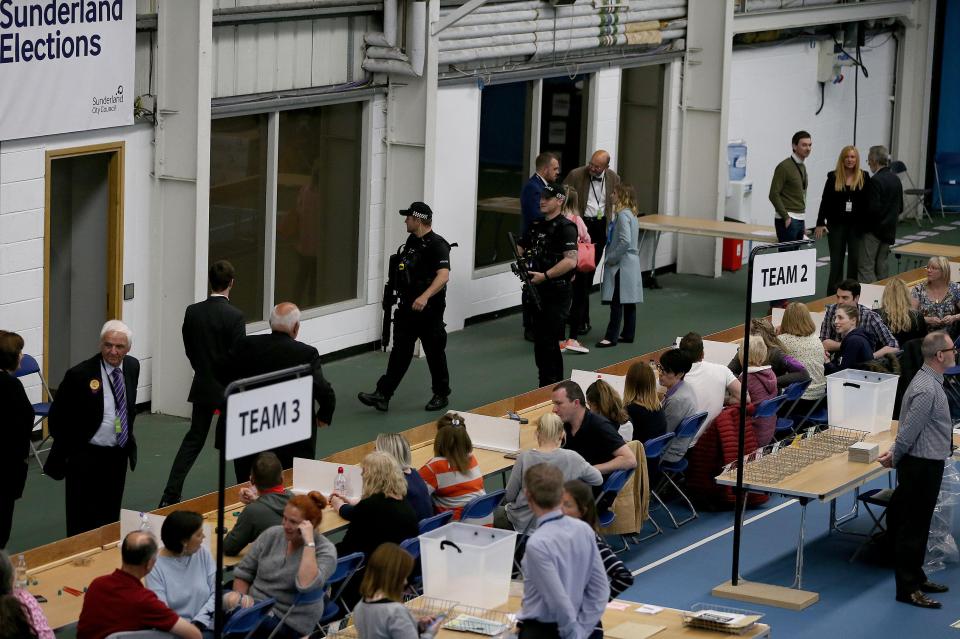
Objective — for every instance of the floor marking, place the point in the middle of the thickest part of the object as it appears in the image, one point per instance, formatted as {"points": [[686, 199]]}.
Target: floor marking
{"points": [[707, 540], [944, 228], [927, 233], [913, 238]]}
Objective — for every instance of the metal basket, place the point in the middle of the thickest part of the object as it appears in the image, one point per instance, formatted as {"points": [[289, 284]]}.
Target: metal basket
{"points": [[691, 620]]}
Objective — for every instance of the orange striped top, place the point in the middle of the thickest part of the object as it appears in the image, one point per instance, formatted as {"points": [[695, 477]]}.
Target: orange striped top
{"points": [[450, 489]]}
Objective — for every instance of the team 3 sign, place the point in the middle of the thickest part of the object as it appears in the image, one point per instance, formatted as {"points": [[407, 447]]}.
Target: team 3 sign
{"points": [[65, 65], [783, 276], [269, 417]]}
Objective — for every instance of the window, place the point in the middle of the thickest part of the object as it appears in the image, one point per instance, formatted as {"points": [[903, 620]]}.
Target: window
{"points": [[285, 200]]}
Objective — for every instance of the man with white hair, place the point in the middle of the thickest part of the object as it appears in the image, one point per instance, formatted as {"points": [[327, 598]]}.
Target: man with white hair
{"points": [[279, 349], [91, 421], [884, 194]]}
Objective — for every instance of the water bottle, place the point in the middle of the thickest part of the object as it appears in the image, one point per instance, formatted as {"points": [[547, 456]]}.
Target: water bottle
{"points": [[145, 524], [340, 483], [21, 578]]}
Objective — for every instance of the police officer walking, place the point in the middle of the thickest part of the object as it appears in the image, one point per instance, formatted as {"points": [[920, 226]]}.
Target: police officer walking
{"points": [[550, 248], [420, 272]]}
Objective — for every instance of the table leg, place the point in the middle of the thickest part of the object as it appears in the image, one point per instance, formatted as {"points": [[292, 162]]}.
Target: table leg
{"points": [[853, 514], [798, 571]]}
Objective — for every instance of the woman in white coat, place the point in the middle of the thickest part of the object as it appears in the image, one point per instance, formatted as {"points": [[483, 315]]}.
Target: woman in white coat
{"points": [[622, 285]]}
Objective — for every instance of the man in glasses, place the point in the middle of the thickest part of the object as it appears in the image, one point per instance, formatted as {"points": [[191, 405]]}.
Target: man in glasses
{"points": [[924, 440]]}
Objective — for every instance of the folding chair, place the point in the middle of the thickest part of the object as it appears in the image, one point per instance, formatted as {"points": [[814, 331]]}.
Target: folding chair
{"points": [[608, 494], [794, 393], [347, 567], [946, 171], [432, 523], [29, 366], [246, 621], [879, 497], [653, 451], [482, 507], [769, 408], [919, 195], [302, 599], [687, 430], [415, 581]]}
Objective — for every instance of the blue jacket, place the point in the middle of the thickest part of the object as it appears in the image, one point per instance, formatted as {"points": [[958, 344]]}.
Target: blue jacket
{"points": [[530, 201]]}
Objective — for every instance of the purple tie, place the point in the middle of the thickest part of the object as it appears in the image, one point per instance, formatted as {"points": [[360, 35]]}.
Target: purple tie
{"points": [[120, 403]]}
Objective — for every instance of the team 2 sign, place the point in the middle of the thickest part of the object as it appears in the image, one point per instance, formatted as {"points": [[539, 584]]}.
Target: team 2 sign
{"points": [[779, 276], [268, 417]]}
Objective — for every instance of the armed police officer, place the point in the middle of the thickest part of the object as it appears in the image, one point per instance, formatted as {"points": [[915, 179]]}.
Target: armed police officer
{"points": [[418, 275], [549, 248]]}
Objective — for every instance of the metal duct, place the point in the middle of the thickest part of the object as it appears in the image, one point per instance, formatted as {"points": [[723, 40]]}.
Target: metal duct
{"points": [[560, 34], [381, 57], [551, 24]]}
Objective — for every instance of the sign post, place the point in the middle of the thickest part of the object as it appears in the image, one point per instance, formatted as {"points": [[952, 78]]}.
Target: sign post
{"points": [[773, 276], [262, 413]]}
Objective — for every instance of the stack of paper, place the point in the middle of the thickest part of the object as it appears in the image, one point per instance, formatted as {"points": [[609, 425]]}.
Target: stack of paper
{"points": [[864, 452]]}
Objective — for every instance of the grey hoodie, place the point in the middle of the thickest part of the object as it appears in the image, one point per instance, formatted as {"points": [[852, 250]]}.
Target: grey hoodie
{"points": [[265, 512]]}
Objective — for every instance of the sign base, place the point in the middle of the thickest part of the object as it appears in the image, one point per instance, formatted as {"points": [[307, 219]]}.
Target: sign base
{"points": [[767, 595]]}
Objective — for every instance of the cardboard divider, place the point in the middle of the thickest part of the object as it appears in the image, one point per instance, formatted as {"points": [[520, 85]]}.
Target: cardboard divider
{"points": [[816, 316], [870, 295], [312, 474], [717, 352], [130, 521], [492, 433], [585, 378]]}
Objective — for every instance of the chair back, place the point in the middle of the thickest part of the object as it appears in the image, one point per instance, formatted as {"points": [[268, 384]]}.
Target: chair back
{"points": [[769, 407], [608, 494], [432, 523], [347, 567], [412, 546], [689, 426], [796, 390], [653, 448], [245, 620], [28, 366], [898, 167], [615, 482], [483, 506], [141, 634]]}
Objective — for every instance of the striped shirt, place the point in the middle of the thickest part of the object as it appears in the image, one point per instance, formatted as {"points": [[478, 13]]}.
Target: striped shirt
{"points": [[620, 578], [451, 489], [925, 429]]}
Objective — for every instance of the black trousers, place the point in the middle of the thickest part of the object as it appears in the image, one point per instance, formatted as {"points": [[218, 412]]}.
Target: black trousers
{"points": [[548, 328], [598, 235], [844, 240], [579, 302], [190, 447], [6, 519], [908, 518], [533, 629], [408, 326], [95, 479]]}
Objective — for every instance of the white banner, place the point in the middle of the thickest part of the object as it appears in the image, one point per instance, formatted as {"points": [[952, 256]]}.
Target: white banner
{"points": [[65, 65], [268, 417], [781, 276]]}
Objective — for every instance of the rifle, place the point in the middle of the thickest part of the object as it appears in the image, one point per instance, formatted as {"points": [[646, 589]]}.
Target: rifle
{"points": [[519, 268], [389, 300]]}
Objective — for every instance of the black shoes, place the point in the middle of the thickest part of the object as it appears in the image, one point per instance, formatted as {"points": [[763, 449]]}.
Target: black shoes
{"points": [[920, 600], [168, 501], [605, 343], [529, 335], [930, 586], [376, 400], [436, 403]]}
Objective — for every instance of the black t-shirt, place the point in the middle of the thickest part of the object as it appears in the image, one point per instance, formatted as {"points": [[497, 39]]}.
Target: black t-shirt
{"points": [[596, 440], [547, 240], [647, 423], [424, 256]]}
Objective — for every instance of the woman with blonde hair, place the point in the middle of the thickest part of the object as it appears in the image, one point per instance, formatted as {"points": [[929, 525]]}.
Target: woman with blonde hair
{"points": [[937, 298], [397, 446], [453, 474], [514, 513], [801, 341], [622, 286], [787, 369], [580, 287], [642, 403], [761, 384], [897, 312], [842, 207]]}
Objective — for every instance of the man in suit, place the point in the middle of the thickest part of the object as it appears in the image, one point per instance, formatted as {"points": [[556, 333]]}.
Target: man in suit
{"points": [[210, 328], [595, 184], [91, 421], [259, 354], [884, 195]]}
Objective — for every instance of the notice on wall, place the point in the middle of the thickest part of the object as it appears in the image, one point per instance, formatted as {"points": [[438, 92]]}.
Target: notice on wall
{"points": [[65, 65], [780, 276], [269, 417]]}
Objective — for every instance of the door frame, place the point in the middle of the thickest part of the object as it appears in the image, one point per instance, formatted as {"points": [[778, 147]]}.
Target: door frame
{"points": [[115, 184]]}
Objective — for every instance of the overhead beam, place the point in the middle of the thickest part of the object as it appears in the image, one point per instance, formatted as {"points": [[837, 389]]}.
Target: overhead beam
{"points": [[456, 15], [823, 14]]}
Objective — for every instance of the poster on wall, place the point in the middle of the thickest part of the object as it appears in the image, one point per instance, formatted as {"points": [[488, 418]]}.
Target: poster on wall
{"points": [[65, 65]]}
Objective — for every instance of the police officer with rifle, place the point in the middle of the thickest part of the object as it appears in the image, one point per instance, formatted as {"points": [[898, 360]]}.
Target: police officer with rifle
{"points": [[547, 254], [417, 281]]}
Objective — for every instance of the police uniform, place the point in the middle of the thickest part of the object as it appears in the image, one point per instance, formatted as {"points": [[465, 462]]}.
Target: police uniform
{"points": [[545, 243], [420, 258]]}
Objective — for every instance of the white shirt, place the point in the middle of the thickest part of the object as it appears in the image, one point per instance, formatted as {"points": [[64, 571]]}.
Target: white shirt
{"points": [[709, 382], [106, 435], [792, 215], [596, 197]]}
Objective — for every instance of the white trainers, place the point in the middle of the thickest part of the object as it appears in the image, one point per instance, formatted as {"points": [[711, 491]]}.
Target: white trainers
{"points": [[574, 346], [563, 345]]}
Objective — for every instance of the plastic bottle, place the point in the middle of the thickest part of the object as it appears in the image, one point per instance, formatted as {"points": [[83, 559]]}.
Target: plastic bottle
{"points": [[21, 578], [340, 483], [145, 523]]}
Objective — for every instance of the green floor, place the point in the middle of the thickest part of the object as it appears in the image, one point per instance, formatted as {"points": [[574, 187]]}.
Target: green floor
{"points": [[488, 361]]}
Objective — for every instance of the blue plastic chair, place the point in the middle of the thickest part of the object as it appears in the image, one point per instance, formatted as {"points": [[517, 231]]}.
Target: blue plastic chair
{"points": [[483, 506], [302, 599], [432, 523], [794, 393], [245, 621], [415, 581], [347, 567], [29, 366], [608, 494], [769, 408], [653, 451], [686, 431]]}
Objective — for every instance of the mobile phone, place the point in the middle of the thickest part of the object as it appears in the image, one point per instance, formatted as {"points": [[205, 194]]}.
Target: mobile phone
{"points": [[511, 455], [40, 598]]}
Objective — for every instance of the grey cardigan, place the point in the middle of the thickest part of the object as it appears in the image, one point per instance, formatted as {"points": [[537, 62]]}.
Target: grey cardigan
{"points": [[385, 619], [271, 572], [570, 463]]}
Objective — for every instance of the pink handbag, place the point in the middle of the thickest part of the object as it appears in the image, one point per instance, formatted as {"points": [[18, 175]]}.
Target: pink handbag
{"points": [[586, 257]]}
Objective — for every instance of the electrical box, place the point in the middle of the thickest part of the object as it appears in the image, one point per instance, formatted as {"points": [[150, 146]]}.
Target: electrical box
{"points": [[830, 63], [738, 200]]}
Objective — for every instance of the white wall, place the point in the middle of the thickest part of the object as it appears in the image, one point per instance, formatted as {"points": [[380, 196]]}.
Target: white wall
{"points": [[22, 192], [774, 92]]}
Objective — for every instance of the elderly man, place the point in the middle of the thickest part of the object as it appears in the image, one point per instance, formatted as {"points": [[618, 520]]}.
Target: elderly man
{"points": [[119, 602], [91, 421], [884, 194], [277, 350], [924, 440], [594, 183]]}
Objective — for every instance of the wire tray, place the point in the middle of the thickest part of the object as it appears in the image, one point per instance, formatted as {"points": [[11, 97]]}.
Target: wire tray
{"points": [[742, 620], [776, 462], [431, 607]]}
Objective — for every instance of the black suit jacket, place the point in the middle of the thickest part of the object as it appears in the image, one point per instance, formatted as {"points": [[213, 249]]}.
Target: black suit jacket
{"points": [[259, 354], [18, 425], [884, 204], [210, 329], [77, 411]]}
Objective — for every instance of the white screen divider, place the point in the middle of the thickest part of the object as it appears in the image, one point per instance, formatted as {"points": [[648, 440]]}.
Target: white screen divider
{"points": [[130, 521], [492, 433], [585, 378], [717, 352], [313, 474], [815, 316], [870, 295]]}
